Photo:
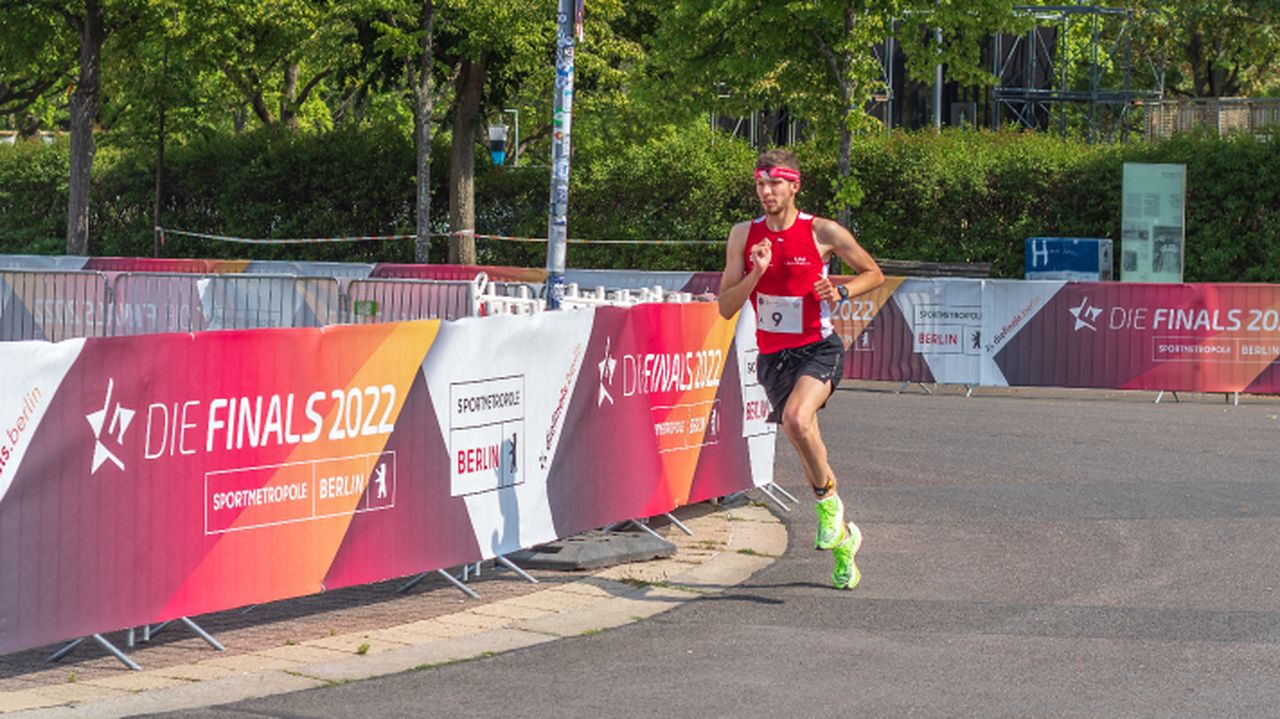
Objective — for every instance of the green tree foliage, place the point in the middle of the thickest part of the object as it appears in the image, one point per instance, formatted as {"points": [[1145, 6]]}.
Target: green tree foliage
{"points": [[1225, 48], [815, 58], [37, 56]]}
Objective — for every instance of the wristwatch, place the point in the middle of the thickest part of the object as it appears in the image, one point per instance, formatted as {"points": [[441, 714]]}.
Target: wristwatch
{"points": [[843, 292]]}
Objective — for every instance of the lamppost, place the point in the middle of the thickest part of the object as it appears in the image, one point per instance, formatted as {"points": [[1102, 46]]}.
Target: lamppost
{"points": [[558, 216]]}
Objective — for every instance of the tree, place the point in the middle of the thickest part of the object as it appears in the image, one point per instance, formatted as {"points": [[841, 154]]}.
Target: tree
{"points": [[1213, 49], [89, 23], [407, 34], [815, 57], [278, 54], [36, 55], [481, 39]]}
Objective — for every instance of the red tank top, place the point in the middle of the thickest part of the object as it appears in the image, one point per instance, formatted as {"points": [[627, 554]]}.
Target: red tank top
{"points": [[788, 313]]}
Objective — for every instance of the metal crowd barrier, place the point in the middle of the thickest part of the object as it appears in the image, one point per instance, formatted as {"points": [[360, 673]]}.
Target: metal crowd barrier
{"points": [[53, 306], [396, 300], [237, 302], [147, 303]]}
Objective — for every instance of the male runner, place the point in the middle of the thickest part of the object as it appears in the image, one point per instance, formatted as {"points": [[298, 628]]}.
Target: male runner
{"points": [[779, 261]]}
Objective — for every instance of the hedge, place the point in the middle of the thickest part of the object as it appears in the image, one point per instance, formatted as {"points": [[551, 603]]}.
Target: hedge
{"points": [[955, 196]]}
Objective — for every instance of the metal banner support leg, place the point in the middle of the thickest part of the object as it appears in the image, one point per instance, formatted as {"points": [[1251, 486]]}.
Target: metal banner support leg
{"points": [[102, 641], [512, 566], [679, 524], [203, 634], [644, 527], [148, 632], [778, 488], [771, 495], [412, 583], [454, 581]]}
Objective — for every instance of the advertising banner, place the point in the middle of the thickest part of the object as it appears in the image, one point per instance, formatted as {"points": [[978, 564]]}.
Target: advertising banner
{"points": [[914, 331], [1201, 337], [180, 474]]}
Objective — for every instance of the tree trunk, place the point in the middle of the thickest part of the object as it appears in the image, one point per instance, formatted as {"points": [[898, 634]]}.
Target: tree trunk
{"points": [[84, 106], [159, 200], [462, 200], [288, 96], [423, 106]]}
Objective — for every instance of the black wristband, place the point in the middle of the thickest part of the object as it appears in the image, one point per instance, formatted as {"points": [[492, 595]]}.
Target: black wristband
{"points": [[843, 292]]}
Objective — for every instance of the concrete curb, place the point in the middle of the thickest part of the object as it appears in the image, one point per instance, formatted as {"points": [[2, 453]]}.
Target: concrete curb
{"points": [[729, 545]]}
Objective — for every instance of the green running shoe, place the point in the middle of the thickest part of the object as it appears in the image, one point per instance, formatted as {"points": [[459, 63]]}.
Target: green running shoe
{"points": [[830, 522], [846, 574]]}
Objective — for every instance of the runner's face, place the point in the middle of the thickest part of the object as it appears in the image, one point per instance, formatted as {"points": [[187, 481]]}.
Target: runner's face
{"points": [[776, 195]]}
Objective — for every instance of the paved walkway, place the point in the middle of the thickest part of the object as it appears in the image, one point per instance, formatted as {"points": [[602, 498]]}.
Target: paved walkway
{"points": [[371, 631]]}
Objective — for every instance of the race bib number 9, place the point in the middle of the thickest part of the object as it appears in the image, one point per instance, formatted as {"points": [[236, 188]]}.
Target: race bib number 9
{"points": [[780, 314]]}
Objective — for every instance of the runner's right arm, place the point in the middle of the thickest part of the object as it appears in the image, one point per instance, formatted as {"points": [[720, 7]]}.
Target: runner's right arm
{"points": [[736, 283]]}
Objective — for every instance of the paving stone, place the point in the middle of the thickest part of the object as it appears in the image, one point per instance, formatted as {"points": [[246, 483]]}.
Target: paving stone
{"points": [[421, 632], [349, 644], [25, 699], [77, 692], [198, 672], [476, 622], [426, 655], [303, 653], [505, 609], [134, 681], [250, 663]]}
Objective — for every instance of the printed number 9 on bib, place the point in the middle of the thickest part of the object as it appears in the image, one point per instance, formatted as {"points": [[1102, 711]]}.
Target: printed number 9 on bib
{"points": [[783, 315]]}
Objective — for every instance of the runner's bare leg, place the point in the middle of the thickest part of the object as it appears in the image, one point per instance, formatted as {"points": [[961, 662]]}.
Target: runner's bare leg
{"points": [[800, 424]]}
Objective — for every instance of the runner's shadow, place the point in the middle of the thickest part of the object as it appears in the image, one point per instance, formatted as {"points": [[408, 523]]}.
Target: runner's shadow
{"points": [[750, 598], [790, 585]]}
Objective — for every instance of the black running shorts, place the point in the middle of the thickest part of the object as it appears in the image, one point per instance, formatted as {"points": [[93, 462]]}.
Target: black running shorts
{"points": [[778, 372]]}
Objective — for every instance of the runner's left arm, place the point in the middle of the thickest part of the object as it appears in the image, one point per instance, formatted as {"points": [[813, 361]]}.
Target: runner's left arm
{"points": [[831, 236]]}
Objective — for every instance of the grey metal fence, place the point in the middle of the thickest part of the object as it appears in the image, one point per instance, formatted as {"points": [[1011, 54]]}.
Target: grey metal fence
{"points": [[147, 303], [54, 306], [395, 300], [258, 301]]}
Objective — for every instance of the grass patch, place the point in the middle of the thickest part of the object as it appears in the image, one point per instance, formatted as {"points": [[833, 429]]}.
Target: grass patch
{"points": [[363, 649], [436, 665]]}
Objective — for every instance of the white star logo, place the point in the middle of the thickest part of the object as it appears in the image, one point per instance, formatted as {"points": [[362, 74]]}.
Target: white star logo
{"points": [[120, 420], [1085, 315], [607, 366]]}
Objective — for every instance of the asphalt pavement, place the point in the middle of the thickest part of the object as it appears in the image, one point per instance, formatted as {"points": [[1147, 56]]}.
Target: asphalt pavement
{"points": [[1026, 554]]}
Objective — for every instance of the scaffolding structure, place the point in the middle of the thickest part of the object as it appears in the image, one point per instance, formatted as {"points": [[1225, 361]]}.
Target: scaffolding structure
{"points": [[1035, 84]]}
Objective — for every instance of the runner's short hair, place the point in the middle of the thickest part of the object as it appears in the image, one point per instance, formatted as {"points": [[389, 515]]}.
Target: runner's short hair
{"points": [[778, 157]]}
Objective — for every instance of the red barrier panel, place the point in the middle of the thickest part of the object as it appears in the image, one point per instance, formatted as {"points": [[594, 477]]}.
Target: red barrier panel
{"points": [[148, 478], [1189, 337]]}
